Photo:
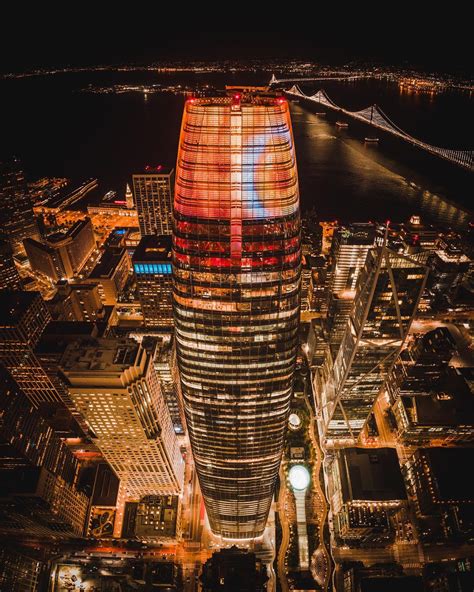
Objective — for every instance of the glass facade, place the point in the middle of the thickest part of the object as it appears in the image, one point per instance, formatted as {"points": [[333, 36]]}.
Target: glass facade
{"points": [[387, 295], [237, 262], [153, 189]]}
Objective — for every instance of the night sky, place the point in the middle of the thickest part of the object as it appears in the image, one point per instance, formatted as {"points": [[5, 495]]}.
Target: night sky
{"points": [[83, 38]]}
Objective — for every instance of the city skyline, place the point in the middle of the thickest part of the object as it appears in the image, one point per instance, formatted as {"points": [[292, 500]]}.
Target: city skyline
{"points": [[236, 318]]}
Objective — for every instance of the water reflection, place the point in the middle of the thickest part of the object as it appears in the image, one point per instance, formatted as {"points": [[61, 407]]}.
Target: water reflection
{"points": [[345, 178]]}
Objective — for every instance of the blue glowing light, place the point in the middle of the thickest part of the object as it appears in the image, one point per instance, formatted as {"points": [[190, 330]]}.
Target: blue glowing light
{"points": [[153, 268]]}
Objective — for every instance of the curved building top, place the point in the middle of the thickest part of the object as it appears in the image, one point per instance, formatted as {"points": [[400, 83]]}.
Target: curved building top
{"points": [[236, 158]]}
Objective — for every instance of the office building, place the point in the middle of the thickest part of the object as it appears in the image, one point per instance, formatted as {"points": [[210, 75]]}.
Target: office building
{"points": [[437, 477], [365, 488], [386, 577], [452, 575], [115, 388], [349, 248], [388, 291], [234, 570], [9, 276], [63, 254], [38, 472], [76, 302], [236, 265], [111, 274], [17, 221], [449, 266], [26, 439], [36, 502], [23, 318], [445, 414], [21, 573], [163, 350], [421, 364], [152, 267], [153, 191]]}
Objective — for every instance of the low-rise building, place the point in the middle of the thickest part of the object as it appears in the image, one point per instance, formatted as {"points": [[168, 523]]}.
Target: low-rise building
{"points": [[446, 414], [366, 488], [153, 517]]}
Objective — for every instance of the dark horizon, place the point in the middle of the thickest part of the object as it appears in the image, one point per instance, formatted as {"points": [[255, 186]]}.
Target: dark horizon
{"points": [[61, 49]]}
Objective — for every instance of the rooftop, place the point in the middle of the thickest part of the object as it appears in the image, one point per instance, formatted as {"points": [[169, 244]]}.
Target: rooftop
{"points": [[449, 467], [451, 404], [371, 474], [58, 334], [108, 263], [153, 248], [155, 169], [111, 355]]}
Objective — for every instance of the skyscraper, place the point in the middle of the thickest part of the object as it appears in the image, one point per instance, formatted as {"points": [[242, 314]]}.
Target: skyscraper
{"points": [[153, 190], [114, 386], [9, 276], [17, 221], [349, 248], [38, 472], [237, 262], [388, 291], [152, 267], [23, 318]]}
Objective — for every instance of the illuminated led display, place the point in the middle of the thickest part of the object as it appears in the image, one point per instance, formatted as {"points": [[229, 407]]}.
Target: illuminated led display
{"points": [[160, 268], [236, 282]]}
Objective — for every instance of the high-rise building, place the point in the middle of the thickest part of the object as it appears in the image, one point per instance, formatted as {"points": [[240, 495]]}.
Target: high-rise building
{"points": [[76, 302], [153, 190], [421, 364], [17, 221], [349, 248], [23, 318], [9, 276], [38, 472], [445, 413], [388, 291], [114, 386], [449, 266], [21, 573], [163, 350], [26, 439], [237, 261], [152, 267], [35, 501], [62, 255], [111, 274]]}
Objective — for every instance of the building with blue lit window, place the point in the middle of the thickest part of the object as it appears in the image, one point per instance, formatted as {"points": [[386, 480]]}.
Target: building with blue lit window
{"points": [[152, 267]]}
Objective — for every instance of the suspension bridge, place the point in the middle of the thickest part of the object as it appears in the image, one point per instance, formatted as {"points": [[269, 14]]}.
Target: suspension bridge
{"points": [[375, 117], [275, 80]]}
